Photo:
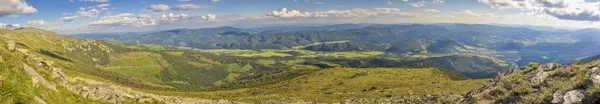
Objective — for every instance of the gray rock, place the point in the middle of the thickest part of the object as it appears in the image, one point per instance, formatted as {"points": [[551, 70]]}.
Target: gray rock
{"points": [[594, 74], [574, 97], [557, 97]]}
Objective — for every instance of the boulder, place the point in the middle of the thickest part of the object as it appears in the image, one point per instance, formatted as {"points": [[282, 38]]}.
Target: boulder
{"points": [[574, 97], [557, 97]]}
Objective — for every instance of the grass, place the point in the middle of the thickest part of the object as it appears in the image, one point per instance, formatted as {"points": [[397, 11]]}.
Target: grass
{"points": [[338, 84], [350, 54], [319, 43], [142, 65], [264, 54], [266, 62], [302, 53], [235, 67]]}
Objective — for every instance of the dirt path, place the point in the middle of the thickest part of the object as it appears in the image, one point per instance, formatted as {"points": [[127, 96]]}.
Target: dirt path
{"points": [[37, 76]]}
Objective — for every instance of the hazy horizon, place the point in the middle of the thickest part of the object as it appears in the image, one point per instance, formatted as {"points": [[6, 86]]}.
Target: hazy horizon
{"points": [[89, 16]]}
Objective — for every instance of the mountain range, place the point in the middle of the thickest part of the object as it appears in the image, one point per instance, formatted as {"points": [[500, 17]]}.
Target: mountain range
{"points": [[347, 63]]}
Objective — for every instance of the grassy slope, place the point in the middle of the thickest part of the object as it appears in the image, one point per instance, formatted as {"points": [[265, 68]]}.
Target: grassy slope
{"points": [[330, 85], [16, 86], [338, 84]]}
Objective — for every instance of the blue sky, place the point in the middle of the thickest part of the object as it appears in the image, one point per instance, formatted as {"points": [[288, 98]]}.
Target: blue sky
{"points": [[81, 16]]}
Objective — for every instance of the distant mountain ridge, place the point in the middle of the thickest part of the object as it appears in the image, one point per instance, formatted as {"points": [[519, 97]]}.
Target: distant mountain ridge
{"points": [[436, 39]]}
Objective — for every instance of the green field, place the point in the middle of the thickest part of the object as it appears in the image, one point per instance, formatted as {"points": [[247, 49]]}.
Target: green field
{"points": [[142, 65]]}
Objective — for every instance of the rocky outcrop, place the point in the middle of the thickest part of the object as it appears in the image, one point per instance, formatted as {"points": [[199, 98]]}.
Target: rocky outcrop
{"points": [[546, 83], [38, 78], [97, 90], [117, 94]]}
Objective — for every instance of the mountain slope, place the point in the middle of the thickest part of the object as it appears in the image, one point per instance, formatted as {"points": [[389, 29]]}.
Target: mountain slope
{"points": [[545, 83], [517, 45], [44, 67]]}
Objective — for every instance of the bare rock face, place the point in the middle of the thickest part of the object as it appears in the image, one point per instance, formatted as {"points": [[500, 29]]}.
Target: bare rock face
{"points": [[574, 97]]}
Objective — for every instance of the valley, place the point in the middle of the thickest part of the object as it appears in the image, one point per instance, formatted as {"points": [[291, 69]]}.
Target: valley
{"points": [[366, 64]]}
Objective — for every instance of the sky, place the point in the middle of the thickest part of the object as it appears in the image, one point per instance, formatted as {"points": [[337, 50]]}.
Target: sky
{"points": [[92, 16]]}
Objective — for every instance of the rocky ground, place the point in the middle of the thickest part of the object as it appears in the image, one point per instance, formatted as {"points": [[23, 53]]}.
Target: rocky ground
{"points": [[546, 83]]}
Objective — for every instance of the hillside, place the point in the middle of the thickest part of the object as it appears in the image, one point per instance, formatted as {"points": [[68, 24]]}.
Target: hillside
{"points": [[59, 69], [517, 45], [356, 85], [542, 83]]}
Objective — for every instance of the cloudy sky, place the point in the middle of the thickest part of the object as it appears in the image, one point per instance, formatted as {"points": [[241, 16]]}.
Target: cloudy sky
{"points": [[84, 16]]}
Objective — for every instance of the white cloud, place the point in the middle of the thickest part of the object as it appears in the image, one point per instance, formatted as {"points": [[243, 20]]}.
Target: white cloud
{"points": [[284, 13], [82, 13], [100, 1], [103, 5], [159, 7], [125, 19], [172, 17], [209, 17], [10, 7], [432, 11], [580, 10], [424, 3], [472, 15], [36, 23], [437, 2], [189, 7], [320, 3], [352, 13], [214, 1], [418, 4], [9, 26]]}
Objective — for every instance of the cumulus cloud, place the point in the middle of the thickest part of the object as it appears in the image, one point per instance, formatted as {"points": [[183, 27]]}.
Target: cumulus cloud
{"points": [[432, 11], [143, 20], [352, 13], [36, 23], [580, 10], [284, 13], [9, 26], [158, 7], [125, 19], [209, 17], [103, 5], [189, 7], [214, 1], [472, 15], [83, 13], [175, 17], [10, 7], [424, 3], [418, 4], [100, 1]]}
